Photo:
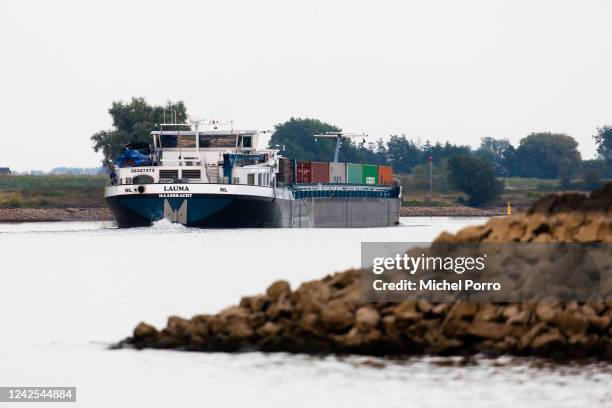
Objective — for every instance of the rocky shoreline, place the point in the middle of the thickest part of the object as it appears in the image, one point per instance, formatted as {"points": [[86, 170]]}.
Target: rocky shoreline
{"points": [[452, 212], [15, 215], [330, 315]]}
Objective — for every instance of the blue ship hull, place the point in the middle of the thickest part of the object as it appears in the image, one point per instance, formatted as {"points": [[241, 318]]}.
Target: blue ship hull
{"points": [[206, 211], [310, 208]]}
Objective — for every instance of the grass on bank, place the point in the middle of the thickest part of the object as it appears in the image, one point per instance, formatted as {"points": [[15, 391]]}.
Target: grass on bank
{"points": [[521, 192], [51, 191], [64, 191]]}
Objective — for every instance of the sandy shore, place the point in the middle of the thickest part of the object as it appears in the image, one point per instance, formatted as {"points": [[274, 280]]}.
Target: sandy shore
{"points": [[54, 214]]}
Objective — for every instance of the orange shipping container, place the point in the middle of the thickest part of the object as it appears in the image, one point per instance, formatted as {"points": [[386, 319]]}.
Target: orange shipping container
{"points": [[385, 175], [320, 172]]}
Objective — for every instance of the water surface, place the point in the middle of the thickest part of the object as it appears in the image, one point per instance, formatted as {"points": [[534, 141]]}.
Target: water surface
{"points": [[71, 289]]}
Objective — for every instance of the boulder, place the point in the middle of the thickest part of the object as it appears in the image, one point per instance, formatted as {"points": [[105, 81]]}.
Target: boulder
{"points": [[461, 309], [390, 328], [337, 315], [473, 233], [254, 320], [424, 306], [406, 313], [281, 308], [528, 337], [277, 289], [546, 340], [601, 323], [178, 327], [310, 324], [145, 331], [488, 330], [269, 329], [343, 279], [547, 311], [366, 318], [572, 323], [238, 330], [311, 297], [257, 303], [486, 312], [356, 339]]}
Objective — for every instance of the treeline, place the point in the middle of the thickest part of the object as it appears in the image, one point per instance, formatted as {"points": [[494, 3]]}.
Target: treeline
{"points": [[539, 155], [476, 172]]}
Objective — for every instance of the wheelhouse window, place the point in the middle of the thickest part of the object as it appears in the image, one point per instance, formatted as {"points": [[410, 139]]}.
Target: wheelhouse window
{"points": [[187, 142], [217, 140], [168, 141], [247, 142], [205, 141]]}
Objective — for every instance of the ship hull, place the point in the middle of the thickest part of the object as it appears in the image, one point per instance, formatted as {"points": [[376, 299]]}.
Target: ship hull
{"points": [[204, 211], [252, 208]]}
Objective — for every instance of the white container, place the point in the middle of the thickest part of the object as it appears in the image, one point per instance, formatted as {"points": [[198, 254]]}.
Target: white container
{"points": [[337, 173]]}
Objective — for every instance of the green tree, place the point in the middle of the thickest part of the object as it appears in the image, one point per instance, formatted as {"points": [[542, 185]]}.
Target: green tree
{"points": [[603, 138], [134, 121], [444, 151], [498, 152], [476, 178], [547, 155], [596, 166], [402, 153], [296, 141]]}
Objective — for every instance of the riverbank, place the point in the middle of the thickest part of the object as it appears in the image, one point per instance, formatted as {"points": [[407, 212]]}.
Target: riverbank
{"points": [[457, 211], [54, 214], [104, 214]]}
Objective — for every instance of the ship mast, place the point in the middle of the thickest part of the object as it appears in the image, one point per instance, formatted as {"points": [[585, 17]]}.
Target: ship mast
{"points": [[339, 136]]}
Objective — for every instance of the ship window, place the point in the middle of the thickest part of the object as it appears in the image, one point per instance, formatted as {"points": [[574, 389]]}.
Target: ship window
{"points": [[236, 180], [168, 141], [187, 142], [247, 141], [143, 179], [208, 140], [251, 179], [260, 179], [204, 142]]}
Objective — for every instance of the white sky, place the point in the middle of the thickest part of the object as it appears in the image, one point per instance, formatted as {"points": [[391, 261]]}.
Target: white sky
{"points": [[456, 70]]}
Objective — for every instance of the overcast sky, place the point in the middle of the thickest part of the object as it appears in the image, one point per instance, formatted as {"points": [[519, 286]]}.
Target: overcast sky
{"points": [[438, 70]]}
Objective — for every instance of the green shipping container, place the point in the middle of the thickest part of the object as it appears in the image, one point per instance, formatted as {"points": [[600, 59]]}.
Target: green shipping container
{"points": [[370, 174], [354, 173]]}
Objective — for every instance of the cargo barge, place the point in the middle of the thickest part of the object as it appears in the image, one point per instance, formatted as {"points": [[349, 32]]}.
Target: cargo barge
{"points": [[213, 178]]}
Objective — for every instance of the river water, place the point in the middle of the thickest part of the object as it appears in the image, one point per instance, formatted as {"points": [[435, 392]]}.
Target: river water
{"points": [[69, 290]]}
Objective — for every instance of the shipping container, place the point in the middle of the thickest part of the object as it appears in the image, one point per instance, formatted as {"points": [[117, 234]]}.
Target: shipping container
{"points": [[320, 172], [354, 173], [285, 170], [370, 174], [337, 173], [304, 172], [385, 175]]}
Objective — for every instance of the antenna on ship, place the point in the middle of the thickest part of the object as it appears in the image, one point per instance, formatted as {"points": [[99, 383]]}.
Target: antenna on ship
{"points": [[339, 136]]}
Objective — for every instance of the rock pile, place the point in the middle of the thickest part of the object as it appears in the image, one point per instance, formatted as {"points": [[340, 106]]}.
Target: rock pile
{"points": [[330, 316]]}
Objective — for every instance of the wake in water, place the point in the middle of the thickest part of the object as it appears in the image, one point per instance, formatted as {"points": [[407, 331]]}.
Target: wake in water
{"points": [[165, 225]]}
